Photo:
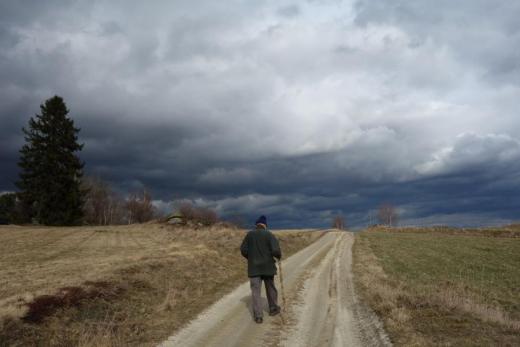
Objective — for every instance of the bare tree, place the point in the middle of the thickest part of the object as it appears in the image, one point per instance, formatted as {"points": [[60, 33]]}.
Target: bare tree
{"points": [[102, 205], [207, 216], [140, 208], [195, 214], [187, 210], [372, 218], [339, 222], [388, 215]]}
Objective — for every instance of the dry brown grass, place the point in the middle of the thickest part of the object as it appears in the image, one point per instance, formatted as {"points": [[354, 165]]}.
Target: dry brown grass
{"points": [[448, 290], [383, 295], [113, 286]]}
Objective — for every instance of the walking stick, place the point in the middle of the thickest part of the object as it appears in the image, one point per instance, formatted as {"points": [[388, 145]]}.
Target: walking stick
{"points": [[283, 291]]}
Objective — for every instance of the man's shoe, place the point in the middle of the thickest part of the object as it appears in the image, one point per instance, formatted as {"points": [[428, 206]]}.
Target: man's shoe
{"points": [[275, 311], [259, 320]]}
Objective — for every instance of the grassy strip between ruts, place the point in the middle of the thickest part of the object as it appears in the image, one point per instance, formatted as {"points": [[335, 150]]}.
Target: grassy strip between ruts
{"points": [[435, 289], [153, 279]]}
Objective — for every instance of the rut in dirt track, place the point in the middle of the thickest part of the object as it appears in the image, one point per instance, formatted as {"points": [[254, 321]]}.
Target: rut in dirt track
{"points": [[323, 307]]}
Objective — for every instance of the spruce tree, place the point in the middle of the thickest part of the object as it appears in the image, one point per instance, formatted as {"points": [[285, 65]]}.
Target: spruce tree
{"points": [[7, 206], [50, 168]]}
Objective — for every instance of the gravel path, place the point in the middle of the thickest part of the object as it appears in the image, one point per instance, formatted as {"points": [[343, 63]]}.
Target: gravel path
{"points": [[323, 309]]}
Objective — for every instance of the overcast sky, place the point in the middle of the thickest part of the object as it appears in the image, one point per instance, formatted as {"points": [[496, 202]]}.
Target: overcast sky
{"points": [[295, 109]]}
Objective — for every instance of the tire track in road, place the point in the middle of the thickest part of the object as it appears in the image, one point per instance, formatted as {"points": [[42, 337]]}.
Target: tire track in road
{"points": [[334, 317]]}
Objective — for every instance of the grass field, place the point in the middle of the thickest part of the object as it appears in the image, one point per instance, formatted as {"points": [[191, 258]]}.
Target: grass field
{"points": [[449, 289], [113, 286]]}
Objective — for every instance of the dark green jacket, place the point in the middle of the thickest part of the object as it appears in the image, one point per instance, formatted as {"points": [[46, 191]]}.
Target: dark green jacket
{"points": [[259, 247]]}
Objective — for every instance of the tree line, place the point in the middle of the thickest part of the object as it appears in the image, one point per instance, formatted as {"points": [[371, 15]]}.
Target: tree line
{"points": [[104, 206], [53, 189], [101, 206]]}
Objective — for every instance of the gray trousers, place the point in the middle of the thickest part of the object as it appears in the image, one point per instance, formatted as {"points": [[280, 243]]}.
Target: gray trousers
{"points": [[270, 290]]}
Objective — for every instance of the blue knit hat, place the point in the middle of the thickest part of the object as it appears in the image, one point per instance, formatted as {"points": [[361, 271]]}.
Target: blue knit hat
{"points": [[261, 220]]}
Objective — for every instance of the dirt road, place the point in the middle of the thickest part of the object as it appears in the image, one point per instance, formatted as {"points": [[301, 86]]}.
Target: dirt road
{"points": [[323, 309]]}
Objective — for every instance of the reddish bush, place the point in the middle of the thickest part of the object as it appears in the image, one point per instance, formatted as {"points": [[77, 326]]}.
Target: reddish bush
{"points": [[195, 214]]}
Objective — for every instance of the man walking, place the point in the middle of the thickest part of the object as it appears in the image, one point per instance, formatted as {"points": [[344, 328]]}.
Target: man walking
{"points": [[259, 247]]}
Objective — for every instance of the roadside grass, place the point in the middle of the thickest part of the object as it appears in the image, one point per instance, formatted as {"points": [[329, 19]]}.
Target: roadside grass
{"points": [[448, 289], [512, 230], [115, 286]]}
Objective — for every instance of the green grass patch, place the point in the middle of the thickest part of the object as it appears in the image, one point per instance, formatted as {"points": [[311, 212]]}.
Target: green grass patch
{"points": [[447, 289], [488, 268]]}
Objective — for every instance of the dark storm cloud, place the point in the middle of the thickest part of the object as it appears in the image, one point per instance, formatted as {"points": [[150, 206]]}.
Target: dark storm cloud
{"points": [[297, 110]]}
